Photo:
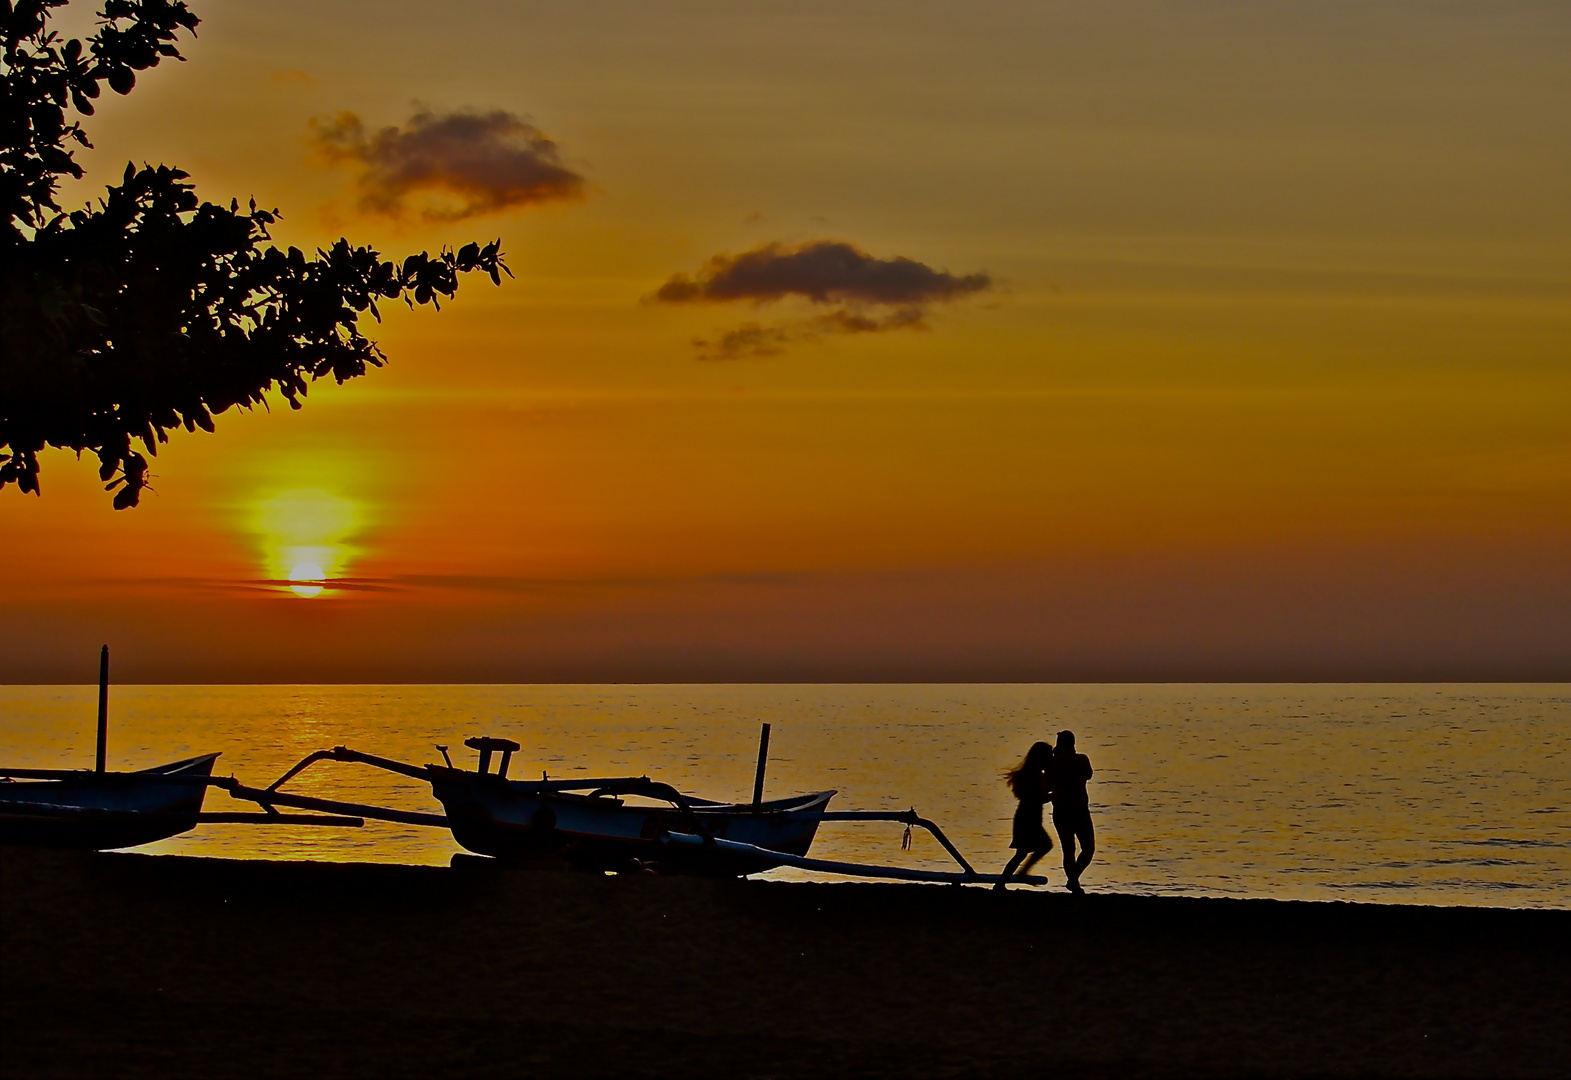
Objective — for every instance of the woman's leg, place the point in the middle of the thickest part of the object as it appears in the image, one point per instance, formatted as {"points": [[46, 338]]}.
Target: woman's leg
{"points": [[1032, 861], [1009, 868]]}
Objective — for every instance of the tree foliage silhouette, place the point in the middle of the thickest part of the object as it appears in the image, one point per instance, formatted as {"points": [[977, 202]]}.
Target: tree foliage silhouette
{"points": [[152, 310]]}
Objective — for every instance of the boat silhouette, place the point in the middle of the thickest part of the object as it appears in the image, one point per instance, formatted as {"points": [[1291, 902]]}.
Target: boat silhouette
{"points": [[78, 808], [98, 810], [617, 824]]}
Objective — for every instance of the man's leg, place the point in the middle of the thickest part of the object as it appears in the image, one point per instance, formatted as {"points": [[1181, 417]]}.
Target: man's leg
{"points": [[1087, 837], [1066, 843]]}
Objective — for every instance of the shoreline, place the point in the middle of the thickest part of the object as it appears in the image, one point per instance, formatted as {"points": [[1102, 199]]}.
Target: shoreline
{"points": [[172, 966]]}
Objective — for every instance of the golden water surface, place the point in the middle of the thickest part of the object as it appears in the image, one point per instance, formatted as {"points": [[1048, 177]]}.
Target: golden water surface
{"points": [[1438, 794]]}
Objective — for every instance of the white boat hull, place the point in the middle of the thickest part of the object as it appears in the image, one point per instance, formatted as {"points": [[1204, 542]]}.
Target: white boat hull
{"points": [[509, 819], [101, 811]]}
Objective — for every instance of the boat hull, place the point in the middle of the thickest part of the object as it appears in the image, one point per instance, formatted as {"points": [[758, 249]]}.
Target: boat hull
{"points": [[510, 820], [102, 811]]}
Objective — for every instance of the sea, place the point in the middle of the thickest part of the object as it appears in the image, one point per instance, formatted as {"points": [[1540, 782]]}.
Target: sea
{"points": [[1416, 794]]}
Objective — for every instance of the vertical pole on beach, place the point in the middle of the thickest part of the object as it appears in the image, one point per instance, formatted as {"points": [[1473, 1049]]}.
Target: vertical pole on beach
{"points": [[763, 759], [103, 705]]}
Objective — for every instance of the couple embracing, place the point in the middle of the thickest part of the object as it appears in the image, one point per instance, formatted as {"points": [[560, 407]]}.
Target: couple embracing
{"points": [[1057, 775]]}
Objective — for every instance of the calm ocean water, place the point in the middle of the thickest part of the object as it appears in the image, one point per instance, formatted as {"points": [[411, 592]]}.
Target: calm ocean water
{"points": [[1429, 794]]}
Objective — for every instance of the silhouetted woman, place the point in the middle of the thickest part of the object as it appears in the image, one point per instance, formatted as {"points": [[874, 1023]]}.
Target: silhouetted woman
{"points": [[1067, 776], [1028, 781]]}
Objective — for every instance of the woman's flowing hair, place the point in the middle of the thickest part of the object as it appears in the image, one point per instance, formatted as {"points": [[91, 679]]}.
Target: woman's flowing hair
{"points": [[1036, 761]]}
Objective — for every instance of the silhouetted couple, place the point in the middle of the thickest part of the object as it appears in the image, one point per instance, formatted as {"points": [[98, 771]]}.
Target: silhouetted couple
{"points": [[1057, 775]]}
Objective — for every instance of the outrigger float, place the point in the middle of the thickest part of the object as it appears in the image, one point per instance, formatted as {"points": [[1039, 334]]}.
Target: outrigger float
{"points": [[590, 824]]}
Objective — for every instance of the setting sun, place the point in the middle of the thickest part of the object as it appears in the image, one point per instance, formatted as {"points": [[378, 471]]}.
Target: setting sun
{"points": [[304, 534], [309, 576]]}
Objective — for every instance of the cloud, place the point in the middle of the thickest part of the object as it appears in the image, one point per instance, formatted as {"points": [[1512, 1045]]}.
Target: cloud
{"points": [[824, 271], [749, 339], [449, 167], [752, 339], [868, 294]]}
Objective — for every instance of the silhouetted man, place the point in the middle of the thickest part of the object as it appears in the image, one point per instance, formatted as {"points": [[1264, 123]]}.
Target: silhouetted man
{"points": [[1072, 807]]}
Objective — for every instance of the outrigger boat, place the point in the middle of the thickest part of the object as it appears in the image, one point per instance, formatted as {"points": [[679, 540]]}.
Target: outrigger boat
{"points": [[590, 822], [592, 825], [99, 810]]}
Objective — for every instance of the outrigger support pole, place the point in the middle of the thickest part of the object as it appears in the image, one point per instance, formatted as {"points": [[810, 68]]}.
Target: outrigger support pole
{"points": [[635, 785], [653, 789], [268, 798], [631, 785], [897, 873], [343, 753], [908, 817], [275, 818]]}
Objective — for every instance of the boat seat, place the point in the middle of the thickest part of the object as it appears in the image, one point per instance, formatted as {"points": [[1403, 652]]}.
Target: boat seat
{"points": [[487, 744]]}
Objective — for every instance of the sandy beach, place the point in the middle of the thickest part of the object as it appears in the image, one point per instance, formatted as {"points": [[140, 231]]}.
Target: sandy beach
{"points": [[129, 965]]}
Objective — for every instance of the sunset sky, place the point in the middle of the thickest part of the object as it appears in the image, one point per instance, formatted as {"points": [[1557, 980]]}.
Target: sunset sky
{"points": [[1035, 340]]}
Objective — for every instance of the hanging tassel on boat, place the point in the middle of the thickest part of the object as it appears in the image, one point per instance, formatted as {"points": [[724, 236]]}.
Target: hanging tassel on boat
{"points": [[905, 841]]}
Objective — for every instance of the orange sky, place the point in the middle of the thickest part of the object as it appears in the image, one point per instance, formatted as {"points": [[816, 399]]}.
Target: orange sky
{"points": [[1271, 378]]}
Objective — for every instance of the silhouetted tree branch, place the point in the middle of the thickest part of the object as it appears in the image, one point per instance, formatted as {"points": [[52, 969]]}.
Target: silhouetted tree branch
{"points": [[153, 310]]}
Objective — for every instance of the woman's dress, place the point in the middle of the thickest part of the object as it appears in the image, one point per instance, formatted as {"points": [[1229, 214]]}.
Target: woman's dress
{"points": [[1029, 833]]}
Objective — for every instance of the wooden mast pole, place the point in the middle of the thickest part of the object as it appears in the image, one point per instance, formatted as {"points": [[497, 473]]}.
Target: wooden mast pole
{"points": [[763, 759], [103, 705]]}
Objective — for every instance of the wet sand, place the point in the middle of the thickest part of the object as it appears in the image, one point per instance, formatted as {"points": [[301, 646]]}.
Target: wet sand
{"points": [[123, 965]]}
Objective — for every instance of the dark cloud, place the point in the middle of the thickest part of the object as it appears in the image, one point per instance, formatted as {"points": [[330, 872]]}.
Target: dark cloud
{"points": [[848, 321], [756, 339], [869, 294], [749, 339], [825, 272], [449, 167]]}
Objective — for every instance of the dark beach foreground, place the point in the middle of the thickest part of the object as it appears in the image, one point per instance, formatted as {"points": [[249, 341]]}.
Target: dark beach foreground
{"points": [[139, 966]]}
